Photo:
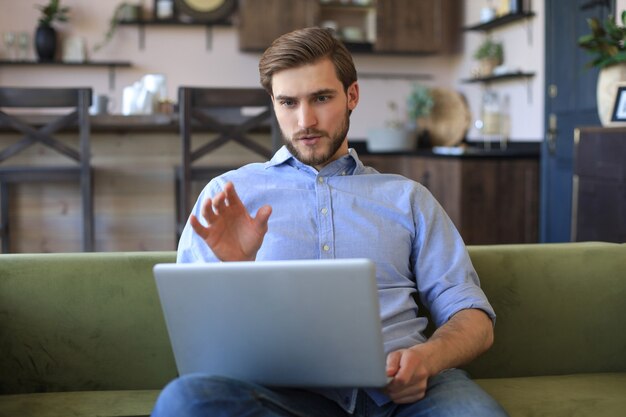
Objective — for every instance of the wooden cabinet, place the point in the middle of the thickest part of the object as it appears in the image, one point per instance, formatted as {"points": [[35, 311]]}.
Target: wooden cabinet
{"points": [[599, 185], [400, 26], [417, 26], [260, 22], [490, 200]]}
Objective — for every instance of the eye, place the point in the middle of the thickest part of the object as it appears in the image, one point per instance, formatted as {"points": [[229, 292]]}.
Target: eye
{"points": [[287, 103], [323, 99]]}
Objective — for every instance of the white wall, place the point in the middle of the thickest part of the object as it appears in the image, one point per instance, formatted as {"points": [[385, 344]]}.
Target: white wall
{"points": [[181, 54], [524, 49]]}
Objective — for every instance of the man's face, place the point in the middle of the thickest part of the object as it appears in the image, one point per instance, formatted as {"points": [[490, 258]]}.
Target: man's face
{"points": [[312, 111]]}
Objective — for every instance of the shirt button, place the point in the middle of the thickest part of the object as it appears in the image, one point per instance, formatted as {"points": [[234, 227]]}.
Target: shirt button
{"points": [[326, 248], [320, 180], [324, 210]]}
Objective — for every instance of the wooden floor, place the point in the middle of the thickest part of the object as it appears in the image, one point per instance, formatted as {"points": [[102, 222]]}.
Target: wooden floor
{"points": [[134, 194]]}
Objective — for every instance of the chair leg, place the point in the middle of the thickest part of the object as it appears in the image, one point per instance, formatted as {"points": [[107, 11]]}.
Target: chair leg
{"points": [[88, 216], [178, 204], [4, 216]]}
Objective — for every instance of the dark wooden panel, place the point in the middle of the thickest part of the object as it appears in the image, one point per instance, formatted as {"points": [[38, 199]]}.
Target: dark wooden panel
{"points": [[500, 201], [420, 26], [490, 200], [263, 21], [599, 201]]}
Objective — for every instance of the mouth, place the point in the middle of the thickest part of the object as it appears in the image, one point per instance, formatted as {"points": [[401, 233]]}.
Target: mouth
{"points": [[309, 138]]}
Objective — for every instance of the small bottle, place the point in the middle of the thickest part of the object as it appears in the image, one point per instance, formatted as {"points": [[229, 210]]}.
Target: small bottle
{"points": [[490, 117], [491, 113], [505, 122]]}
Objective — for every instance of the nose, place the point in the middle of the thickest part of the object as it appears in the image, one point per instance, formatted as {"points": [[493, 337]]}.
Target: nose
{"points": [[306, 117]]}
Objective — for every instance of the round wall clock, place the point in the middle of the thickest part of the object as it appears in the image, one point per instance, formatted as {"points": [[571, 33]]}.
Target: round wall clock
{"points": [[206, 10]]}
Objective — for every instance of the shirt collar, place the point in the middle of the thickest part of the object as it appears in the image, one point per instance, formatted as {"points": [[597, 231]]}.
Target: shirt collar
{"points": [[349, 164]]}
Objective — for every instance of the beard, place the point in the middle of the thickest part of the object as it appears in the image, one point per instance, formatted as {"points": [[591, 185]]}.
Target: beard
{"points": [[323, 152]]}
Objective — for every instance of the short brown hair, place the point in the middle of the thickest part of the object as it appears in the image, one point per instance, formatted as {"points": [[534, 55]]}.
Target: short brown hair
{"points": [[302, 47]]}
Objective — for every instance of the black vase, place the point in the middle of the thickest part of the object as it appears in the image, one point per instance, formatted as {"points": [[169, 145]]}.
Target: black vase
{"points": [[46, 42]]}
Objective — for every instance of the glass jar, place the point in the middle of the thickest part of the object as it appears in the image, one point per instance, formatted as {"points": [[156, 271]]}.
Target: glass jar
{"points": [[490, 114]]}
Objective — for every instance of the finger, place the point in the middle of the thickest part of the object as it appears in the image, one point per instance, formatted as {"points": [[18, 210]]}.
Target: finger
{"points": [[262, 216], [207, 211], [409, 398], [393, 363], [407, 392], [231, 194], [219, 203], [198, 227]]}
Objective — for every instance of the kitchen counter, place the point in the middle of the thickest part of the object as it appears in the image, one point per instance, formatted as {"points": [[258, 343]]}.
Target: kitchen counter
{"points": [[475, 150], [168, 123], [491, 195]]}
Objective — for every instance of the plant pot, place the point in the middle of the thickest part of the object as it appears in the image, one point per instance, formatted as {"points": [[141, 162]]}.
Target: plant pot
{"points": [[389, 139], [606, 90], [46, 42], [486, 66]]}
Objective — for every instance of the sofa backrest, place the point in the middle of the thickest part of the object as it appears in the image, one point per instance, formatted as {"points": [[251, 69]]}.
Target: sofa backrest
{"points": [[560, 308], [75, 322], [78, 322]]}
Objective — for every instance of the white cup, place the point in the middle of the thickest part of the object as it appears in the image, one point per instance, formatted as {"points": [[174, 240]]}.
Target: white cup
{"points": [[100, 104]]}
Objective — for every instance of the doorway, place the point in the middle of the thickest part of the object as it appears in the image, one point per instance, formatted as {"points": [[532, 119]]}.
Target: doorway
{"points": [[570, 102]]}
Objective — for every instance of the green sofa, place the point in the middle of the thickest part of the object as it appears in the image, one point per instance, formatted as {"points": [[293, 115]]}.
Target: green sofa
{"points": [[83, 334]]}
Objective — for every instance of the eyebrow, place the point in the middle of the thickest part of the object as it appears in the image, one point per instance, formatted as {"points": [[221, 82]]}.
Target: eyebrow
{"points": [[322, 92]]}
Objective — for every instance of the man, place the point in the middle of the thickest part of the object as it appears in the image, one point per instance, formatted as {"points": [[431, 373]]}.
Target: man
{"points": [[316, 200]]}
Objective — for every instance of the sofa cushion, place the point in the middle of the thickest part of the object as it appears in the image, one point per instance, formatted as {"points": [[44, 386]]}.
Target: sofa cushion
{"points": [[82, 322], [79, 404], [598, 395], [557, 306]]}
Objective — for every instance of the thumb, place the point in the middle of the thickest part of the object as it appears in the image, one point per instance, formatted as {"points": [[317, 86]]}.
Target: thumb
{"points": [[262, 216], [393, 363]]}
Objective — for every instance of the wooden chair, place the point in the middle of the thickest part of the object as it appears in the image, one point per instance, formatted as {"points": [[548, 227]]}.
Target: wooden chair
{"points": [[219, 111], [78, 100]]}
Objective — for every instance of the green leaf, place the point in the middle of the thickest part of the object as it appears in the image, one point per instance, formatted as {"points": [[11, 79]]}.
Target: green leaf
{"points": [[585, 39]]}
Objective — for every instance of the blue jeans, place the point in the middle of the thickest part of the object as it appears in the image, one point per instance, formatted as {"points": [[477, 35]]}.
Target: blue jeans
{"points": [[451, 393]]}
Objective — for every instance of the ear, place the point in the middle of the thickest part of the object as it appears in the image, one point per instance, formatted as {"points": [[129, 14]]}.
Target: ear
{"points": [[353, 95]]}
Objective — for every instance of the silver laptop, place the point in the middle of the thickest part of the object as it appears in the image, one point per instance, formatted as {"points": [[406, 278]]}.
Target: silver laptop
{"points": [[309, 323]]}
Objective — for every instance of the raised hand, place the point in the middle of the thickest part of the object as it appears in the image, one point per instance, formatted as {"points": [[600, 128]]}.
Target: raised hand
{"points": [[231, 233]]}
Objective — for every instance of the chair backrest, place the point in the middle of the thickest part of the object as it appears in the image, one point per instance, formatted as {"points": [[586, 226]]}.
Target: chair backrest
{"points": [[77, 99], [220, 110]]}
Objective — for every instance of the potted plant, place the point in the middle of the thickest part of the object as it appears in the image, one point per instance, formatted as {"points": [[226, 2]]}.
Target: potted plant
{"points": [[490, 54], [45, 35], [125, 11], [606, 43], [394, 136], [419, 102]]}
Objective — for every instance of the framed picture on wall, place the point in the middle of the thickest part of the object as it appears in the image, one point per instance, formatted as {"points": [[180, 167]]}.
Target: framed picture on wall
{"points": [[618, 116]]}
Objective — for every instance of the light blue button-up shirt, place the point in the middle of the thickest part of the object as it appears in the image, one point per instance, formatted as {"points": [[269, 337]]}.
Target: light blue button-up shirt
{"points": [[347, 210]]}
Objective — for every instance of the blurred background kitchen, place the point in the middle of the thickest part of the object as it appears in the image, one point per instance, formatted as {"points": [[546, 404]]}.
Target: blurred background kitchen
{"points": [[136, 54]]}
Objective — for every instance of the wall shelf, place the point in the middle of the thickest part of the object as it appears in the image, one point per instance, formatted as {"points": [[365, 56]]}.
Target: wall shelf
{"points": [[506, 77], [499, 77], [500, 21], [142, 23], [172, 22], [111, 65]]}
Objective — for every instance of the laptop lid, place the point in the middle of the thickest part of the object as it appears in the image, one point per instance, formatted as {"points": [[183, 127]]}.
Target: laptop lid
{"points": [[304, 323]]}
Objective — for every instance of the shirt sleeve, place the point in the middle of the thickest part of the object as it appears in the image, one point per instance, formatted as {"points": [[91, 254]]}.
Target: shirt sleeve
{"points": [[191, 248], [446, 279]]}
